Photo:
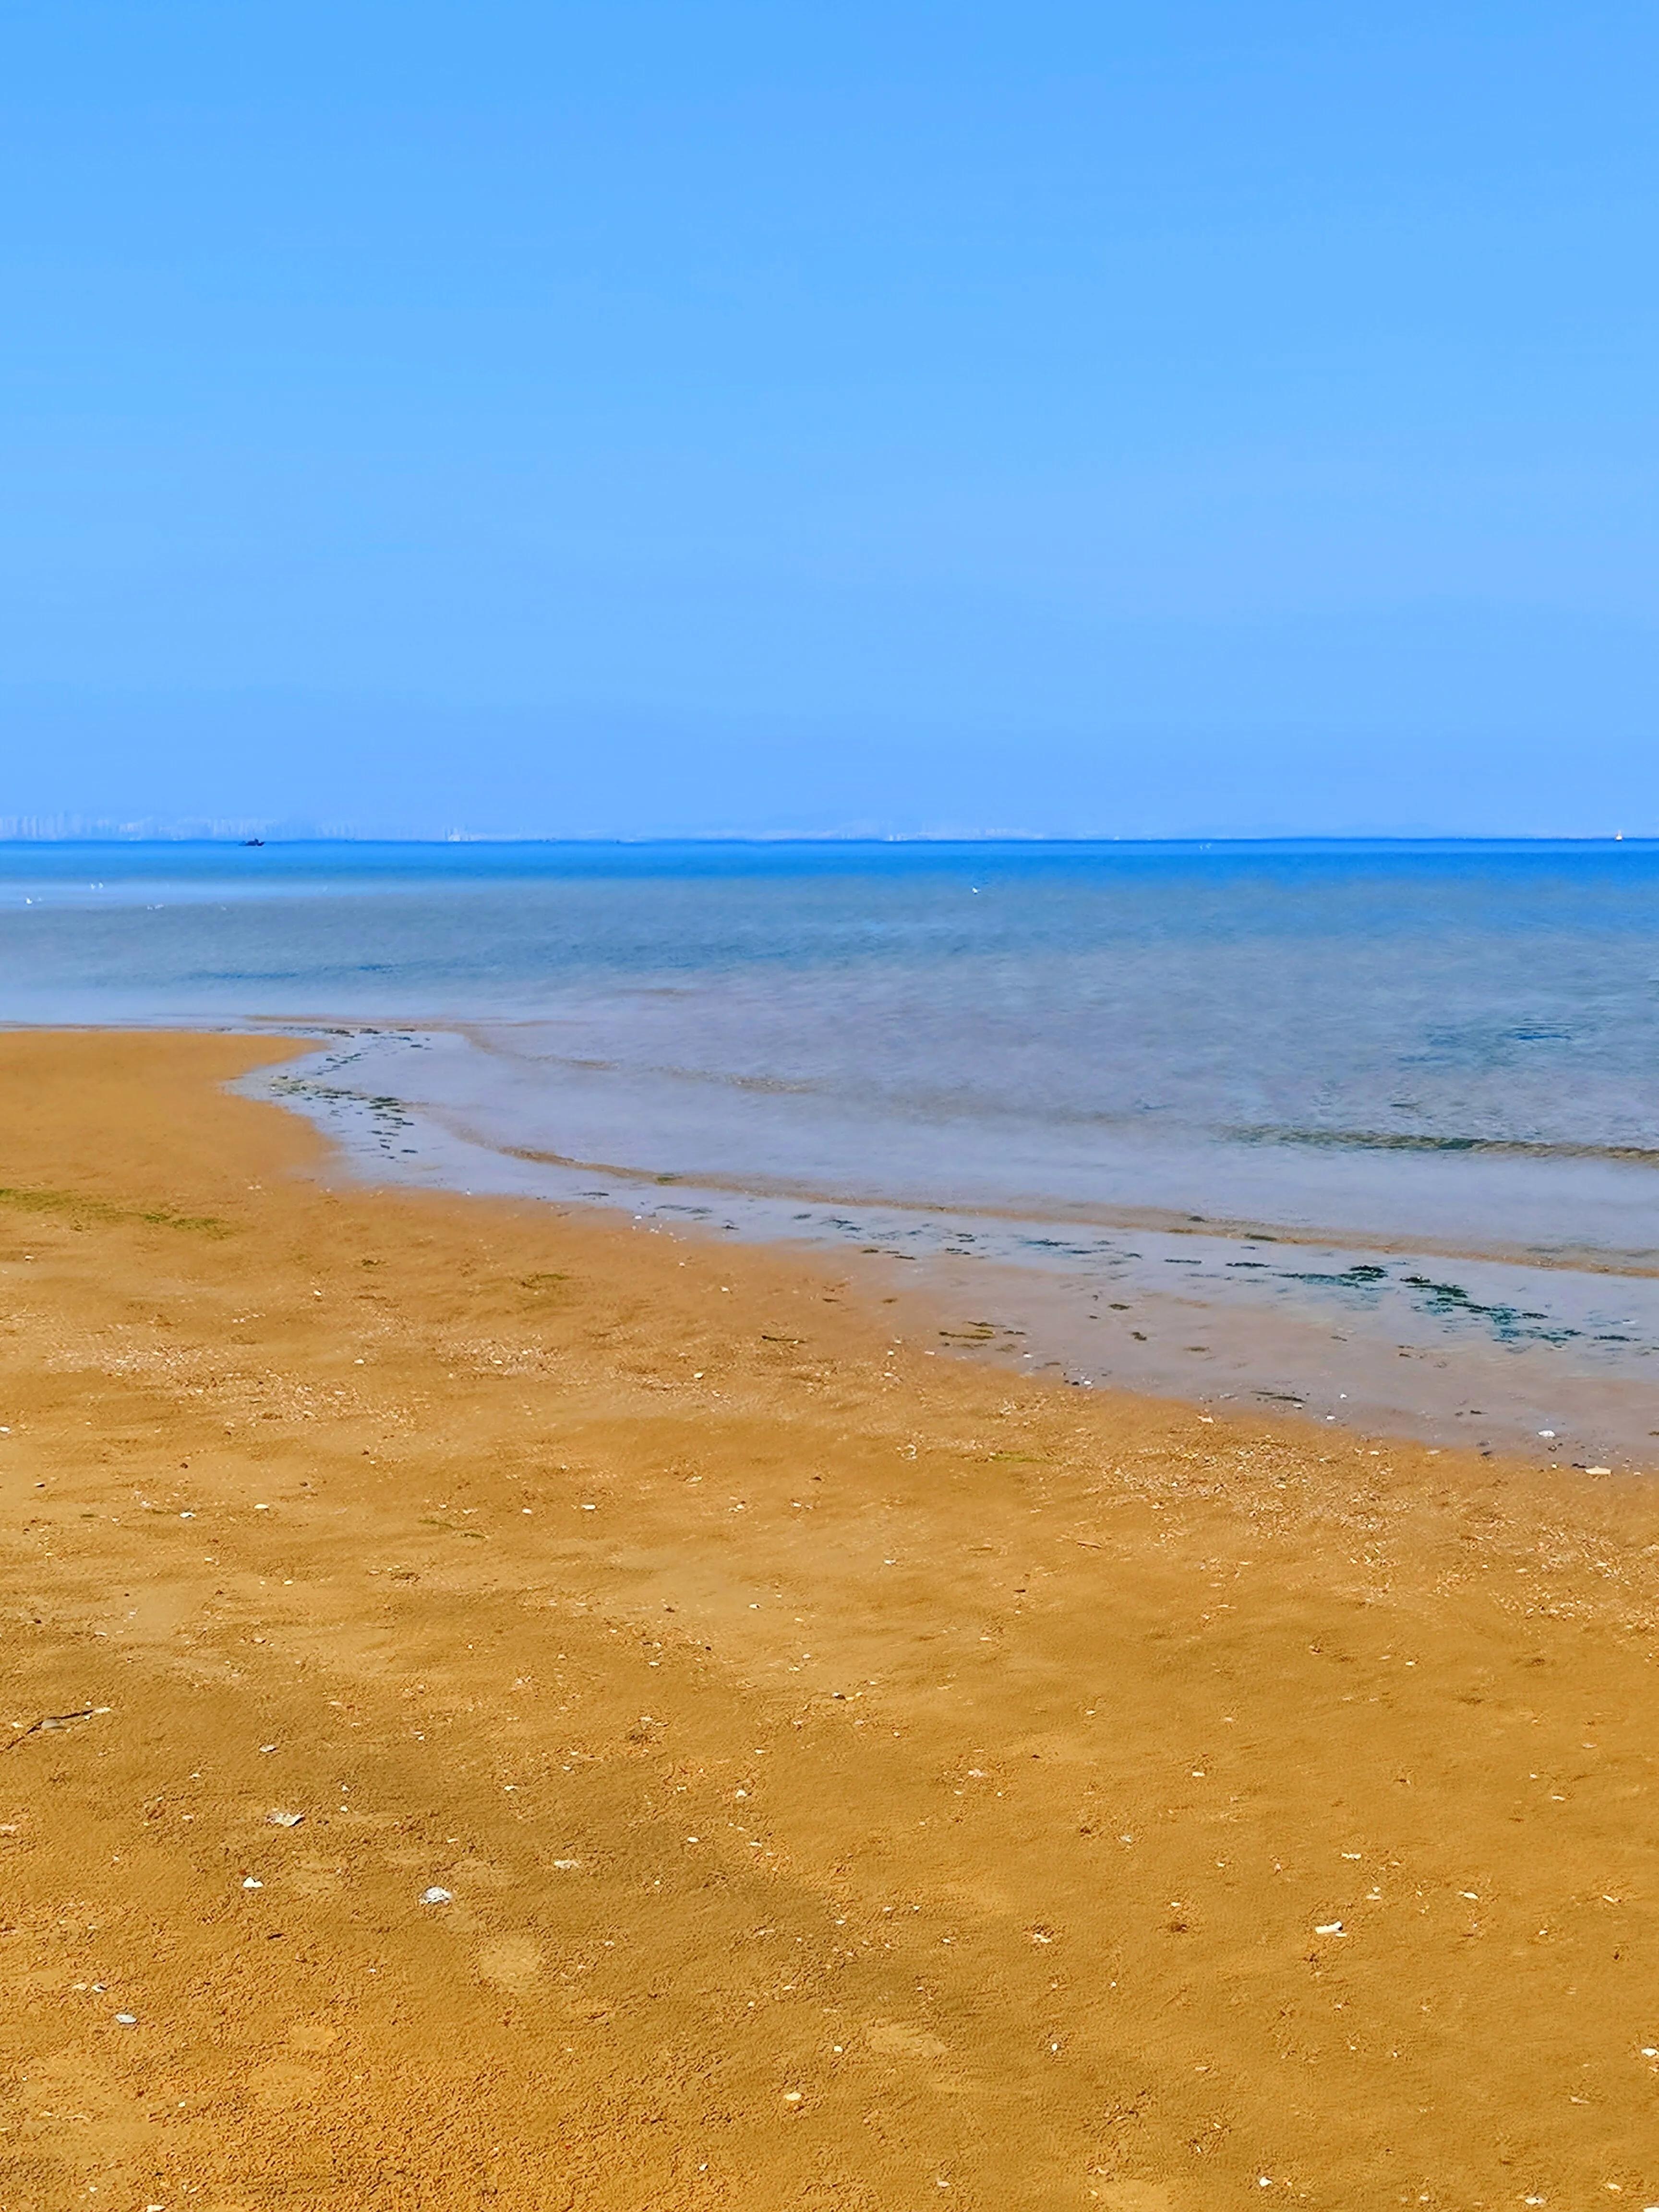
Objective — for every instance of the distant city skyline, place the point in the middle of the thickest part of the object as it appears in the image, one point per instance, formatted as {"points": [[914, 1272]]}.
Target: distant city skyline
{"points": [[694, 417]]}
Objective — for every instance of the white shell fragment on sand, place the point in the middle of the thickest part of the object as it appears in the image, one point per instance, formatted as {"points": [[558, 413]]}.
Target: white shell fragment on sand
{"points": [[1330, 1927], [252, 1881], [284, 1820], [436, 1896], [127, 2020]]}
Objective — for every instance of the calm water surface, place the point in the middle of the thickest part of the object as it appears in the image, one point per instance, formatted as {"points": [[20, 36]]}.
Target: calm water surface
{"points": [[1309, 1115]]}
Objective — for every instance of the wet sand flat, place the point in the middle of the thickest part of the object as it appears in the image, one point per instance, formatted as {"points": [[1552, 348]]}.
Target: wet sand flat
{"points": [[727, 1757]]}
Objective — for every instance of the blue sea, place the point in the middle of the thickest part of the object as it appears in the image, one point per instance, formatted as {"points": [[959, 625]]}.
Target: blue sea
{"points": [[1367, 1130]]}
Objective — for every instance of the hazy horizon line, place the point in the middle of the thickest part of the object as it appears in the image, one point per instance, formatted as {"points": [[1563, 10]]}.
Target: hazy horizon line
{"points": [[234, 836]]}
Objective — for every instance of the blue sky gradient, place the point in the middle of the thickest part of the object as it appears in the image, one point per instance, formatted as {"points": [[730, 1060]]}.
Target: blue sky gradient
{"points": [[676, 417]]}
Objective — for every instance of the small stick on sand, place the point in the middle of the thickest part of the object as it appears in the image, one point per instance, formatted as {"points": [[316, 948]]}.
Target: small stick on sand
{"points": [[47, 1720]]}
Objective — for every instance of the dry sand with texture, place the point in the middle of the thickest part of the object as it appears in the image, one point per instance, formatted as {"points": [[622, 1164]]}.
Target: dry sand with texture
{"points": [[727, 1758]]}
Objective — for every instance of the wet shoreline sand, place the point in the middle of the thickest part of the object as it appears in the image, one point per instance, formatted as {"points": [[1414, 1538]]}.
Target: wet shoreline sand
{"points": [[1547, 1349], [854, 1778]]}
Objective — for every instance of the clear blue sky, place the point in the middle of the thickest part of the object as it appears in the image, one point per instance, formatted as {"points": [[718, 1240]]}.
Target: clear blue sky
{"points": [[662, 415]]}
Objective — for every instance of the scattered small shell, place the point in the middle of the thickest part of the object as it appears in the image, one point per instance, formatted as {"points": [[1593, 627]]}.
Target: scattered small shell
{"points": [[267, 1746], [567, 1866], [436, 1896], [1330, 1927], [252, 1881], [1598, 1470], [127, 2020], [284, 1820]]}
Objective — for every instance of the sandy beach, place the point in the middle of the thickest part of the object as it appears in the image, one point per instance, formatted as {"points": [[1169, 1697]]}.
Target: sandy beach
{"points": [[511, 1708]]}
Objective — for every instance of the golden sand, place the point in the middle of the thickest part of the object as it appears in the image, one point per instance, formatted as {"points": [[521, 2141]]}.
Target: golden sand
{"points": [[856, 1779]]}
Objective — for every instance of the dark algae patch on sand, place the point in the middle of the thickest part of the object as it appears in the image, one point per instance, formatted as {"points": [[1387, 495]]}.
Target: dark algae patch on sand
{"points": [[79, 1207]]}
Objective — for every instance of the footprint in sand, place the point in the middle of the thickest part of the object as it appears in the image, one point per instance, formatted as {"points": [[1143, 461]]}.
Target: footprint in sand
{"points": [[513, 1964]]}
